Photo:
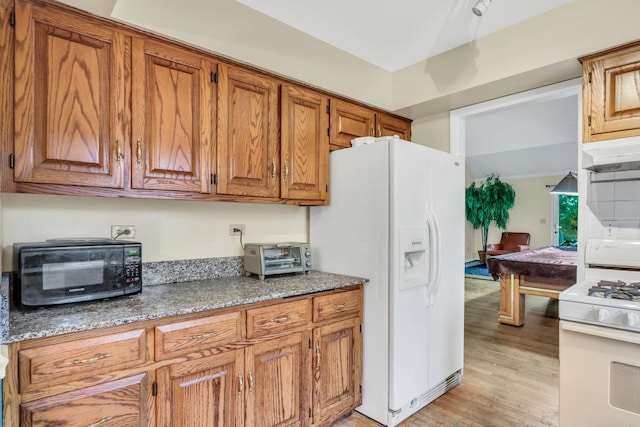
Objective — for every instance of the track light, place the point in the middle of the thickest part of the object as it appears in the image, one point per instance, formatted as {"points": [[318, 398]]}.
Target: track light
{"points": [[481, 7]]}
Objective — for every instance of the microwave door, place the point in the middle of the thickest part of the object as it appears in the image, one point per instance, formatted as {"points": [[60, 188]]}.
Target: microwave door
{"points": [[55, 276]]}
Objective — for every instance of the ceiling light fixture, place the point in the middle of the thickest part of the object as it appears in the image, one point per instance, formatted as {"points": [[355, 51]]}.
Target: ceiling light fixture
{"points": [[567, 185], [481, 7]]}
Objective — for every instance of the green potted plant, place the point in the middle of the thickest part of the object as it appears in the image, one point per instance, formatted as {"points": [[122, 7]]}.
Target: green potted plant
{"points": [[486, 203]]}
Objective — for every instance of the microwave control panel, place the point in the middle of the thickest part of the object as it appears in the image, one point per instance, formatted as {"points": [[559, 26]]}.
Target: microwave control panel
{"points": [[132, 268]]}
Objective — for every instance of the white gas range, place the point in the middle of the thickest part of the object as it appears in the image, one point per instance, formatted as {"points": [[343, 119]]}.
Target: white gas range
{"points": [[609, 295], [600, 338]]}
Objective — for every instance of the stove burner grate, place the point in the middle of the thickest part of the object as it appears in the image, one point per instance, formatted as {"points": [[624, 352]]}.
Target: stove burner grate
{"points": [[616, 290]]}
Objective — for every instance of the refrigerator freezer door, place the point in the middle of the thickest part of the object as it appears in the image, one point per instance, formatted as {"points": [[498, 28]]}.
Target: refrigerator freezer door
{"points": [[409, 331], [351, 236]]}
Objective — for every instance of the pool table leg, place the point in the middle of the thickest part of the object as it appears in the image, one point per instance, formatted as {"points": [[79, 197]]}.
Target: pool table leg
{"points": [[511, 301]]}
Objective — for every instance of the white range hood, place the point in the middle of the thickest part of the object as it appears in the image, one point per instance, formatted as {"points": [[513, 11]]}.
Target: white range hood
{"points": [[614, 155]]}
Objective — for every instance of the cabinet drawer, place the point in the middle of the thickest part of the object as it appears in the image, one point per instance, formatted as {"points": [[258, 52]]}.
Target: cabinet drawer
{"points": [[55, 364], [336, 305], [277, 318], [194, 335], [123, 402]]}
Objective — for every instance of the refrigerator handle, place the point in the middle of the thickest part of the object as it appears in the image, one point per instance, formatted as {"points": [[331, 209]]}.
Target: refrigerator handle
{"points": [[434, 256]]}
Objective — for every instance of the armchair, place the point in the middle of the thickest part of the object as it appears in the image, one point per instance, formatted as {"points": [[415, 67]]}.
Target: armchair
{"points": [[510, 242]]}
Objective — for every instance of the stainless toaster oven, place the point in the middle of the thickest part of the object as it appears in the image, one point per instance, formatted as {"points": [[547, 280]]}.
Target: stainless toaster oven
{"points": [[264, 259]]}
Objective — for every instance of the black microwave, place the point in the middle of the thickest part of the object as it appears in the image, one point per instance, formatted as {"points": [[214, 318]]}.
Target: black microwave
{"points": [[66, 271]]}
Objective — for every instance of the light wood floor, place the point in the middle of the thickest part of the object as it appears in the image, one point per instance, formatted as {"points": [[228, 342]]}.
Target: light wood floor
{"points": [[510, 373]]}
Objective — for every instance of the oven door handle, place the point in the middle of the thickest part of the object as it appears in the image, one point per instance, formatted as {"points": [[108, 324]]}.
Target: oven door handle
{"points": [[599, 331]]}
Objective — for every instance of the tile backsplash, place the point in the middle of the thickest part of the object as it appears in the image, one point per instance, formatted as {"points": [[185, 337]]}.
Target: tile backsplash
{"points": [[614, 198]]}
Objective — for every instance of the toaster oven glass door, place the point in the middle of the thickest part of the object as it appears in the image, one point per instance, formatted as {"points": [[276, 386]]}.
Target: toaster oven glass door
{"points": [[282, 260]]}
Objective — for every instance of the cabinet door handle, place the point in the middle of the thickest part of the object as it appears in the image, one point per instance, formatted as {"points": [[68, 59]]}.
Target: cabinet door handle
{"points": [[90, 360], [318, 357], [286, 170], [139, 150], [274, 170], [201, 336], [281, 319], [102, 421], [340, 306], [250, 381], [241, 384], [379, 131], [118, 151]]}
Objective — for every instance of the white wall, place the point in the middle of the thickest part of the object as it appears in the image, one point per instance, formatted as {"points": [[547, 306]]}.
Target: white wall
{"points": [[432, 131], [168, 229], [536, 52]]}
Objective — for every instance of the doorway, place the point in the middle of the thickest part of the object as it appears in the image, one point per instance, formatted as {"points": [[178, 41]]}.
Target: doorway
{"points": [[462, 131], [564, 216]]}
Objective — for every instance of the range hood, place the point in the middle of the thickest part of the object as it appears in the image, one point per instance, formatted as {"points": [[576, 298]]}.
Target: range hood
{"points": [[614, 155]]}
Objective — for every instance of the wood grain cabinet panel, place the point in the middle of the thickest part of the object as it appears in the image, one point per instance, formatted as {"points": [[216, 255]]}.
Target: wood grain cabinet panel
{"points": [[349, 121], [173, 111], [180, 338], [337, 305], [277, 318], [337, 370], [206, 392], [121, 403], [278, 374], [387, 125], [304, 144], [54, 364], [611, 94], [70, 115], [248, 159]]}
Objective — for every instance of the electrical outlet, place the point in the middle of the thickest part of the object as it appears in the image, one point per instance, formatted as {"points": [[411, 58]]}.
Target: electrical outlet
{"points": [[123, 231], [233, 227]]}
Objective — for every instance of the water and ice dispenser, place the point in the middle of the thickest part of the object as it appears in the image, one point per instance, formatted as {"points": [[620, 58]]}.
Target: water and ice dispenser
{"points": [[414, 248]]}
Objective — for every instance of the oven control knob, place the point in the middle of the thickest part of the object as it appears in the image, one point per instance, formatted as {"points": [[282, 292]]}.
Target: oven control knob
{"points": [[631, 319], [602, 314]]}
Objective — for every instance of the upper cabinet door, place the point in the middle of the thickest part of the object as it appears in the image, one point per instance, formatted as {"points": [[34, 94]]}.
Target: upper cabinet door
{"points": [[173, 110], [349, 121], [390, 126], [612, 96], [71, 80], [304, 144], [248, 161]]}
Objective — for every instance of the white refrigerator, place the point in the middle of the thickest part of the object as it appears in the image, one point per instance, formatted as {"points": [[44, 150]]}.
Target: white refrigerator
{"points": [[396, 217]]}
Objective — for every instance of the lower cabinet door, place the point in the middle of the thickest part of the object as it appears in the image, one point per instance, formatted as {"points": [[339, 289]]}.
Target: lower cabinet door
{"points": [[120, 403], [337, 369], [204, 392], [277, 378]]}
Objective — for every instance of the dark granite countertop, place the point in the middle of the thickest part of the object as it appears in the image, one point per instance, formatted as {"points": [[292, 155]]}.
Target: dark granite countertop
{"points": [[160, 301]]}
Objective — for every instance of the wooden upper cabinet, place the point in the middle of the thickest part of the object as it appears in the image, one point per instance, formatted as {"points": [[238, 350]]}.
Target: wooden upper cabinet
{"points": [[304, 144], [611, 94], [248, 151], [173, 112], [71, 99], [349, 121], [387, 125]]}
